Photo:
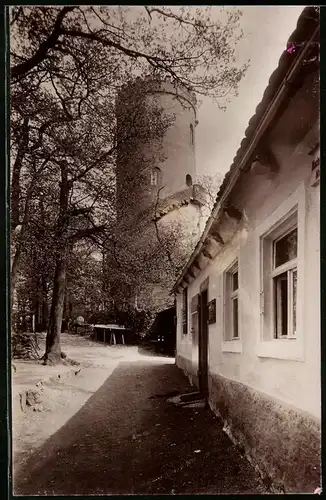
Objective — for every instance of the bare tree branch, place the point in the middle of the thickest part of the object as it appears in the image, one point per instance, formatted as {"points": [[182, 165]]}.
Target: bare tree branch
{"points": [[41, 53], [15, 185]]}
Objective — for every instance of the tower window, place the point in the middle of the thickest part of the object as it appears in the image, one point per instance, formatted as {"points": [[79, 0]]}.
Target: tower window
{"points": [[191, 134], [155, 176], [188, 180]]}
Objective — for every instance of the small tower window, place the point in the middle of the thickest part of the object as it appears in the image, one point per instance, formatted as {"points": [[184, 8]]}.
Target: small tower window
{"points": [[188, 180], [155, 176], [191, 134]]}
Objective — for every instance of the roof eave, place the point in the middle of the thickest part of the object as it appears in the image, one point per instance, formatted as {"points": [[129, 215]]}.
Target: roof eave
{"points": [[247, 146]]}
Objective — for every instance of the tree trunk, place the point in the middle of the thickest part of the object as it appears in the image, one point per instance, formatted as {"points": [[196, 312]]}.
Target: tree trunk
{"points": [[18, 252], [45, 307], [21, 239], [53, 346], [65, 321], [15, 182], [14, 270]]}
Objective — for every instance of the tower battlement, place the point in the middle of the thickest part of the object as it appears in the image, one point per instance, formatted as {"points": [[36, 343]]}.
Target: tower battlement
{"points": [[152, 85]]}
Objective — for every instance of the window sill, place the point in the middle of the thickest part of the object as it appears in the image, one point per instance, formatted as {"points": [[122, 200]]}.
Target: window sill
{"points": [[290, 349], [232, 346]]}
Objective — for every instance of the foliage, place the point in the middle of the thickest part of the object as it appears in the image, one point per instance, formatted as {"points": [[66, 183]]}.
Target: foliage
{"points": [[25, 346], [211, 183], [182, 41], [67, 66], [137, 321]]}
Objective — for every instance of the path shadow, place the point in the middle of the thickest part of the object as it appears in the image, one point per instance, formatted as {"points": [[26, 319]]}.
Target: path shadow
{"points": [[150, 350], [125, 441], [67, 462]]}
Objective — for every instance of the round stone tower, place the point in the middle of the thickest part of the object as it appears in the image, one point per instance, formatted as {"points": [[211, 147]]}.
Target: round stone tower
{"points": [[158, 204], [160, 160]]}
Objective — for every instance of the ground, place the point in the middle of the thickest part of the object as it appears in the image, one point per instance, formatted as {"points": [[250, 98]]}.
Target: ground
{"points": [[112, 429]]}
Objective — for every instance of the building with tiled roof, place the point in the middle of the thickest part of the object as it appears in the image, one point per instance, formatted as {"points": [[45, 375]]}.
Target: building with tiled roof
{"points": [[248, 299]]}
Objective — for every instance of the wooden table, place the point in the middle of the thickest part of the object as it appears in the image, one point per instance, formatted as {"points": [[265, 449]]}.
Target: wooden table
{"points": [[110, 329]]}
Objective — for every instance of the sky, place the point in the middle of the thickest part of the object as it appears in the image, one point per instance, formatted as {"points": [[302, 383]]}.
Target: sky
{"points": [[219, 133]]}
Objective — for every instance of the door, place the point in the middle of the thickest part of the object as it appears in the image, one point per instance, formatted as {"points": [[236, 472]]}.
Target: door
{"points": [[203, 343]]}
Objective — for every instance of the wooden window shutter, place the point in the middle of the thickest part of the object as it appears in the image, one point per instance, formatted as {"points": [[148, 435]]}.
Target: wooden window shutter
{"points": [[185, 312], [194, 304]]}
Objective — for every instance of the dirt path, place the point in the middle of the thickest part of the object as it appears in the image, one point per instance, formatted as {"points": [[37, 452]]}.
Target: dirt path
{"points": [[128, 439]]}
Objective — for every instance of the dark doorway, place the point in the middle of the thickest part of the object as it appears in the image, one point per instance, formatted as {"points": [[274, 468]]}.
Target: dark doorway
{"points": [[203, 343], [162, 334]]}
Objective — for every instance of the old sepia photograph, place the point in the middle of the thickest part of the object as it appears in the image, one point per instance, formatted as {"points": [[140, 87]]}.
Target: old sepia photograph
{"points": [[164, 189]]}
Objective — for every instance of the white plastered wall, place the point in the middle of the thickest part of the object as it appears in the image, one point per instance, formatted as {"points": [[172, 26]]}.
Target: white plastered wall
{"points": [[295, 380]]}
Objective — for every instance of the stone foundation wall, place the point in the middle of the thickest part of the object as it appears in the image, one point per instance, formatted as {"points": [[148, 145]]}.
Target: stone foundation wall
{"points": [[186, 366], [282, 443]]}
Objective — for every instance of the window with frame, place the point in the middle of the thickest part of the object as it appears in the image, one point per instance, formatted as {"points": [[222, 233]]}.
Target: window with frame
{"points": [[191, 134], [280, 279], [155, 176], [231, 303], [285, 277], [185, 311], [194, 316]]}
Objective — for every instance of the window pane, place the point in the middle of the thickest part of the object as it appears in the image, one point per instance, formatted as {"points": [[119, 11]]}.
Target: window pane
{"points": [[235, 284], [154, 178], [281, 305], [191, 134], [286, 248], [294, 299], [235, 318]]}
